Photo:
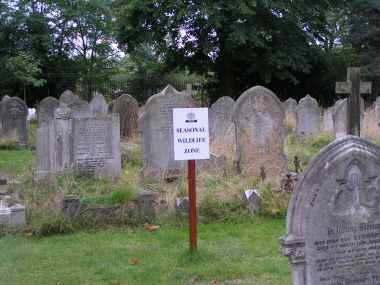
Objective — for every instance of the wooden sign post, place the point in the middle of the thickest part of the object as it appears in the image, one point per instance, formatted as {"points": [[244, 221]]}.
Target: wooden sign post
{"points": [[191, 142], [354, 87]]}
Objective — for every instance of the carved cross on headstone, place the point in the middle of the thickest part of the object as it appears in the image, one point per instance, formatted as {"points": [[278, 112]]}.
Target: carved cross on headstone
{"points": [[354, 87]]}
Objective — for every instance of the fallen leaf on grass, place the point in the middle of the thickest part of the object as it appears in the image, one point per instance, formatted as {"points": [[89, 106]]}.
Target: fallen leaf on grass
{"points": [[216, 282], [134, 261], [151, 228]]}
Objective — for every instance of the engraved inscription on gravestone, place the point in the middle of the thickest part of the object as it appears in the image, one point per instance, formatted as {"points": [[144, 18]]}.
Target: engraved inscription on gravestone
{"points": [[334, 223], [91, 148]]}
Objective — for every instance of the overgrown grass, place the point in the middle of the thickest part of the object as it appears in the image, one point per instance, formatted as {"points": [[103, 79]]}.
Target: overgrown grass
{"points": [[229, 253], [304, 148]]}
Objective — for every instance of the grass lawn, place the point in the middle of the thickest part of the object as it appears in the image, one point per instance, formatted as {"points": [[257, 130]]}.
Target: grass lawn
{"points": [[16, 162], [244, 253]]}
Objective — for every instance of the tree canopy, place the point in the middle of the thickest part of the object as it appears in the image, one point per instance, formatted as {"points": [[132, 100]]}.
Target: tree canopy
{"points": [[294, 47]]}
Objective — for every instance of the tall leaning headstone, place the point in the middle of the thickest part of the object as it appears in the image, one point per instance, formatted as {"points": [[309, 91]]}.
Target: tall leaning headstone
{"points": [[156, 125], [308, 116], [222, 128], [333, 220], [13, 117], [128, 109], [260, 131]]}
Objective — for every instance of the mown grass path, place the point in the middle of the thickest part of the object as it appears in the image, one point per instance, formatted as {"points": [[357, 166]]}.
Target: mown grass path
{"points": [[243, 253]]}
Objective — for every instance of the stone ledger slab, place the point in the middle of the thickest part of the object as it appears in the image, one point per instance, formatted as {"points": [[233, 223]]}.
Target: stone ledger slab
{"points": [[333, 220]]}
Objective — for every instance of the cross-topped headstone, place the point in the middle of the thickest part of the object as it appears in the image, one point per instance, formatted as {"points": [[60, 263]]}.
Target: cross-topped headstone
{"points": [[354, 87]]}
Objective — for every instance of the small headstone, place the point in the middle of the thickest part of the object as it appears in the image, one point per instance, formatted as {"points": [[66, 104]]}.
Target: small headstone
{"points": [[290, 107], [147, 204], [253, 198], [11, 216], [182, 205], [308, 116], [222, 128], [13, 120], [71, 206], [328, 122], [45, 110], [128, 109], [260, 132], [333, 218], [157, 134], [98, 105]]}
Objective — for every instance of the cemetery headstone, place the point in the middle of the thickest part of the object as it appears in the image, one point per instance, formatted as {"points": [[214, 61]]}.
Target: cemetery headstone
{"points": [[260, 131], [308, 116], [83, 138], [333, 223], [13, 117], [328, 122], [45, 110], [222, 128], [128, 110], [68, 97], [290, 107], [157, 134]]}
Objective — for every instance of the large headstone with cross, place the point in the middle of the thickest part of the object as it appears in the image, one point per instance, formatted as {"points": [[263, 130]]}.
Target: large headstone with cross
{"points": [[333, 220], [156, 126], [260, 131], [354, 87]]}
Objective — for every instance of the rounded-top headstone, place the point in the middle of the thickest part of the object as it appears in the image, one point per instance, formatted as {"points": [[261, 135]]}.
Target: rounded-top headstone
{"points": [[308, 116], [68, 97], [14, 120], [259, 119], [128, 108], [222, 128], [157, 133], [333, 222], [290, 105], [45, 110], [98, 105]]}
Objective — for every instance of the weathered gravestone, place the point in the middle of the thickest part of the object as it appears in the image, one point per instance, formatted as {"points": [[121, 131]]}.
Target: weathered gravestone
{"points": [[83, 138], [46, 109], [156, 125], [68, 97], [13, 120], [308, 116], [128, 109], [290, 107], [222, 128], [340, 117], [259, 120], [328, 122], [333, 218]]}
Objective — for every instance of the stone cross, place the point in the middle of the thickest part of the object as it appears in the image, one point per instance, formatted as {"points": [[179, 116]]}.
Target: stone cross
{"points": [[354, 87]]}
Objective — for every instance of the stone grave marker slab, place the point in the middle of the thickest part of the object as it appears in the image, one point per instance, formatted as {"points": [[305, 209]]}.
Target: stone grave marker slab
{"points": [[157, 134], [222, 128], [308, 116], [333, 220], [128, 110], [259, 119]]}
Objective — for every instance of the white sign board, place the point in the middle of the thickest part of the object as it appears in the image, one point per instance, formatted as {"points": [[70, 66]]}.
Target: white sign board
{"points": [[191, 138]]}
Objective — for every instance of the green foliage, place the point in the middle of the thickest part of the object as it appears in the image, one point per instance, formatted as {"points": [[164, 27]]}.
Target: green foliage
{"points": [[304, 148], [274, 203], [53, 226], [26, 69]]}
